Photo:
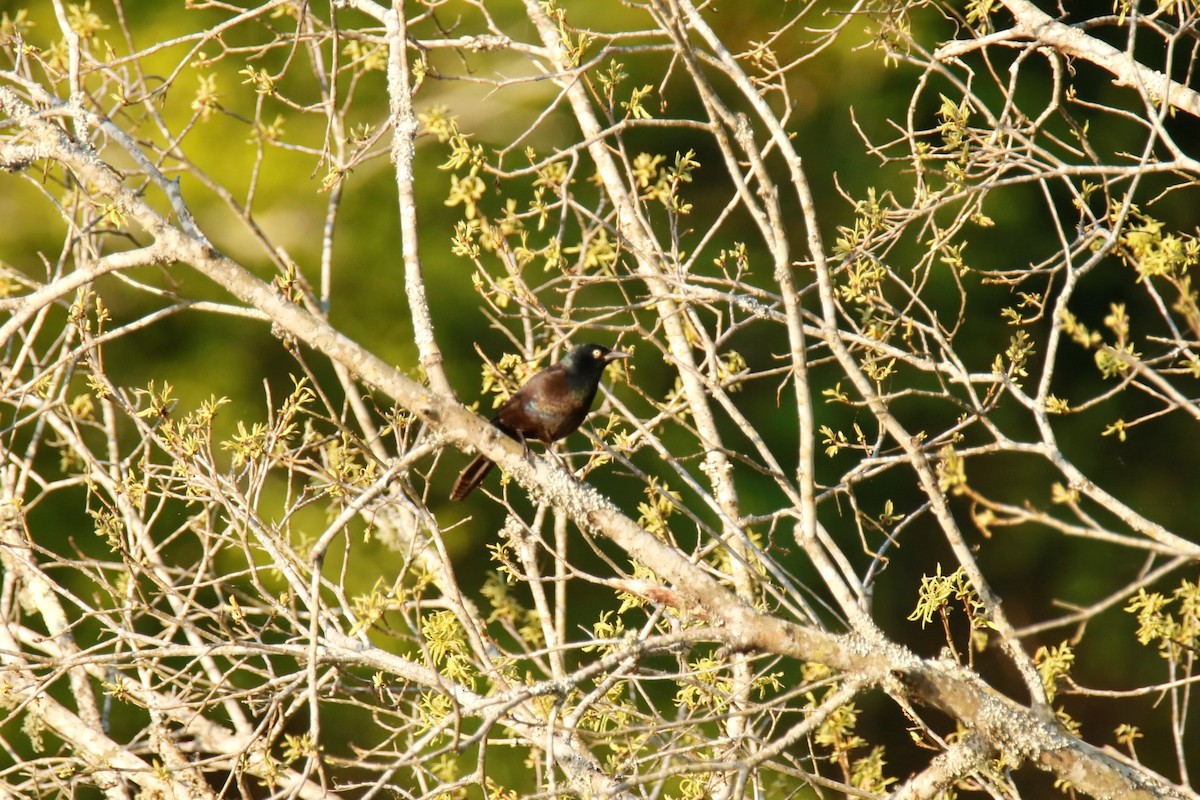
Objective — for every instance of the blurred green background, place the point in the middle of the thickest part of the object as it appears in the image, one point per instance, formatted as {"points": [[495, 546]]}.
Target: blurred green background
{"points": [[202, 355]]}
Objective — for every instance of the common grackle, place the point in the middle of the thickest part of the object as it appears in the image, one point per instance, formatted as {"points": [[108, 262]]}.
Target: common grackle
{"points": [[551, 405]]}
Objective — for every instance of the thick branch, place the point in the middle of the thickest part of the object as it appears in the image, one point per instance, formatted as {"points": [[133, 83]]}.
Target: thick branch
{"points": [[1033, 23]]}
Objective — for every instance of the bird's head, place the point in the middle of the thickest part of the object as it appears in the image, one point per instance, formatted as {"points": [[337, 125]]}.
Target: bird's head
{"points": [[591, 359]]}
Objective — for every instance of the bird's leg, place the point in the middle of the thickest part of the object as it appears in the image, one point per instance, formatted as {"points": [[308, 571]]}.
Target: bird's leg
{"points": [[554, 454], [520, 437]]}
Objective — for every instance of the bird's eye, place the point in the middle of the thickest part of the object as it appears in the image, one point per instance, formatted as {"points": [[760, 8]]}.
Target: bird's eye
{"points": [[596, 353]]}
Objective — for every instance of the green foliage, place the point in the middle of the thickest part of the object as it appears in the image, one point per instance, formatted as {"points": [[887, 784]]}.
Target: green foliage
{"points": [[610, 79], [1054, 665], [661, 504], [980, 12], [207, 100], [85, 22], [951, 470], [1128, 734], [954, 127], [940, 594], [867, 772], [1016, 358], [1172, 621], [709, 686], [635, 107]]}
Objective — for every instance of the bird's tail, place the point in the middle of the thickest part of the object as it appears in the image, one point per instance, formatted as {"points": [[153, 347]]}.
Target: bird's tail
{"points": [[471, 477]]}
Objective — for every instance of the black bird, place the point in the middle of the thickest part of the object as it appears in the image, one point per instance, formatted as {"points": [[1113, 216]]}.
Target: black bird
{"points": [[551, 405]]}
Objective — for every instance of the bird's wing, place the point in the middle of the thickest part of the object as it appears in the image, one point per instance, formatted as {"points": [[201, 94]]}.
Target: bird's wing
{"points": [[545, 409]]}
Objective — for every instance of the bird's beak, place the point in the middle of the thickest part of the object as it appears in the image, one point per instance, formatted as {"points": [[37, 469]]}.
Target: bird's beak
{"points": [[617, 355]]}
